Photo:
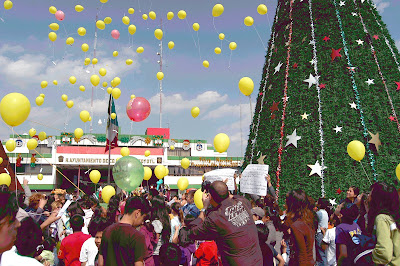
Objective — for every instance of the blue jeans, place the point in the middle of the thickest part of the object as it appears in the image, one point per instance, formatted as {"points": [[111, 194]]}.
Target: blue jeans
{"points": [[321, 255]]}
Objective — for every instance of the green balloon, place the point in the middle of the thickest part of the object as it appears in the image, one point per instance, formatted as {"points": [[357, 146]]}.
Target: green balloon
{"points": [[128, 173]]}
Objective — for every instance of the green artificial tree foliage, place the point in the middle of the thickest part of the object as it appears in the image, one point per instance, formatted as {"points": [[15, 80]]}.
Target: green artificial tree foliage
{"points": [[338, 67]]}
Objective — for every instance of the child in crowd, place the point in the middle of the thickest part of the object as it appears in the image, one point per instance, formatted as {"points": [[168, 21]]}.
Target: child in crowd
{"points": [[186, 245], [207, 254], [170, 254], [328, 241], [90, 248], [268, 252], [47, 255], [147, 229]]}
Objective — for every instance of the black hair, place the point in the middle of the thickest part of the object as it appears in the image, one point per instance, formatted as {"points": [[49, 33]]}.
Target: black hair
{"points": [[356, 190], [97, 224], [176, 207], [159, 212], [153, 192], [76, 222], [349, 214], [137, 203], [49, 244], [74, 209], [113, 206], [205, 186], [263, 232], [8, 205], [170, 254], [29, 237]]}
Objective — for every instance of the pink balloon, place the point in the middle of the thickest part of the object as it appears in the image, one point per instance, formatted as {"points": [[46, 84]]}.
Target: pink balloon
{"points": [[59, 15], [115, 34], [138, 109]]}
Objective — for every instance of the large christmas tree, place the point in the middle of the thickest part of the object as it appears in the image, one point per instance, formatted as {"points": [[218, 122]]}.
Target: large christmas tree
{"points": [[331, 76]]}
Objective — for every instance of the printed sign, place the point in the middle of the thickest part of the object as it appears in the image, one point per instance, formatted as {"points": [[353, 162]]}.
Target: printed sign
{"points": [[221, 175], [253, 179]]}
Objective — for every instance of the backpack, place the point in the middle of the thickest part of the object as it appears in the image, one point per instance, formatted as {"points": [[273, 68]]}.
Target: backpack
{"points": [[364, 246]]}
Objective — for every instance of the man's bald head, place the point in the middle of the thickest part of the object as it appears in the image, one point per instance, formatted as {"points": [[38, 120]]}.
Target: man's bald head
{"points": [[219, 191]]}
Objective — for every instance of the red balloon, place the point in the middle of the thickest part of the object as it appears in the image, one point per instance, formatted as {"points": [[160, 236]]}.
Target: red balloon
{"points": [[138, 109], [59, 15], [115, 34]]}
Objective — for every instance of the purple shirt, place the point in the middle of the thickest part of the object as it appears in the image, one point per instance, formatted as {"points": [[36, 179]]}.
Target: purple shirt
{"points": [[344, 235]]}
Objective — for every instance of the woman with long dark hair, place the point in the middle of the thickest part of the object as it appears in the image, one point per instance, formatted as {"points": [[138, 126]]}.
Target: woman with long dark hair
{"points": [[384, 220], [300, 220], [161, 223]]}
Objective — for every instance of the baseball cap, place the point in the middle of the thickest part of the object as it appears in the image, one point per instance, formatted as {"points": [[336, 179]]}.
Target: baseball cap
{"points": [[258, 211]]}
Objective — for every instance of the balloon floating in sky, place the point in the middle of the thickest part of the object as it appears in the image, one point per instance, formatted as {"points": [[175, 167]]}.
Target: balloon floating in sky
{"points": [[42, 95], [125, 151], [82, 88], [132, 29], [147, 153], [171, 45], [129, 61], [94, 175], [43, 84], [59, 15], [8, 5], [70, 41], [206, 64], [107, 20], [79, 8], [95, 80], [78, 133], [113, 116], [52, 10], [108, 191], [39, 101], [196, 26], [84, 116], [85, 47], [115, 53], [55, 82], [81, 31], [32, 144], [356, 150], [116, 93], [126, 20], [262, 9], [100, 25], [170, 15], [147, 173], [72, 79], [95, 61], [160, 75], [158, 33], [69, 104], [144, 17], [248, 21], [64, 97], [182, 14], [115, 34], [217, 10], [217, 50], [152, 15], [195, 111], [232, 46], [131, 10], [54, 26], [128, 173], [221, 36], [103, 1], [138, 109], [87, 61], [183, 182], [140, 50], [32, 132], [15, 109], [42, 136], [52, 36], [103, 72], [11, 145], [221, 142], [246, 86], [5, 179]]}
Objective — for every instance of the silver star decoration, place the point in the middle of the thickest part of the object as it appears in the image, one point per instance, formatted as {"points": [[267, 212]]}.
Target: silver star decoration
{"points": [[362, 1], [342, 3], [293, 139], [260, 160], [354, 14], [353, 105], [313, 61], [304, 116], [332, 202], [311, 81], [360, 42], [285, 98], [316, 168], [278, 67], [338, 129], [370, 82], [312, 42]]}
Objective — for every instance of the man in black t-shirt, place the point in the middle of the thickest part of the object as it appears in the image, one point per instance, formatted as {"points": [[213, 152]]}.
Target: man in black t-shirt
{"points": [[121, 243]]}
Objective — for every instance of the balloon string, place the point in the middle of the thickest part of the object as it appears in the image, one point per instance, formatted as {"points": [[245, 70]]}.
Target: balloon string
{"points": [[191, 33], [365, 173], [219, 32], [230, 59], [44, 125], [198, 40], [265, 48]]}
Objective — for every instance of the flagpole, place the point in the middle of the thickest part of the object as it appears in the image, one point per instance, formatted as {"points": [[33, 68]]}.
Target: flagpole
{"points": [[109, 141]]}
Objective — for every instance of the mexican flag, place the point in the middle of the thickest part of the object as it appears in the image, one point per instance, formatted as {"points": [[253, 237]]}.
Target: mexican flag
{"points": [[112, 126]]}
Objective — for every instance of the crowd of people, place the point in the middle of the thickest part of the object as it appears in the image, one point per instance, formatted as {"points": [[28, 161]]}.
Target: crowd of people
{"points": [[151, 228]]}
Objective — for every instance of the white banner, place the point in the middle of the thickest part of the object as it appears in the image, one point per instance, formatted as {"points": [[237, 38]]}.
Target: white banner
{"points": [[253, 179], [221, 175]]}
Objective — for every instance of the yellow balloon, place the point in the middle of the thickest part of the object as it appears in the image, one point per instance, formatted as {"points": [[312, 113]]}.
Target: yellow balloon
{"points": [[196, 26], [64, 97], [115, 53], [185, 163], [70, 41], [217, 50], [108, 191], [95, 80], [129, 61], [166, 171], [10, 145], [144, 16], [195, 111], [147, 153], [8, 4], [221, 36], [109, 90], [217, 10], [183, 183], [262, 9], [170, 15], [172, 147], [39, 101], [206, 64], [397, 171], [52, 36], [81, 31], [103, 1], [198, 199], [125, 151], [131, 10], [40, 176], [104, 84], [248, 21], [87, 61], [356, 150], [54, 26], [55, 82], [70, 104], [103, 72], [158, 33], [107, 20], [116, 93], [14, 109], [133, 96], [79, 8], [82, 88], [152, 15], [126, 20], [147, 173], [42, 136], [182, 14], [132, 29], [221, 142], [113, 115], [95, 61], [232, 46], [5, 179], [84, 116], [32, 144], [43, 84], [117, 81], [95, 176], [90, 118], [78, 133], [159, 171], [52, 10], [85, 47], [246, 86], [140, 50], [100, 25], [72, 79], [160, 75], [1, 160], [42, 95], [32, 132], [171, 45]]}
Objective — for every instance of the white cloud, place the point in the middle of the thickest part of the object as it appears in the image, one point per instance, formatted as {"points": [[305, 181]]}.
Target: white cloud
{"points": [[99, 106], [175, 103], [229, 110], [381, 5], [398, 44]]}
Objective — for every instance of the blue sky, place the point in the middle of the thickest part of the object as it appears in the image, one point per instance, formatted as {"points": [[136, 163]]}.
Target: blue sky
{"points": [[27, 57]]}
